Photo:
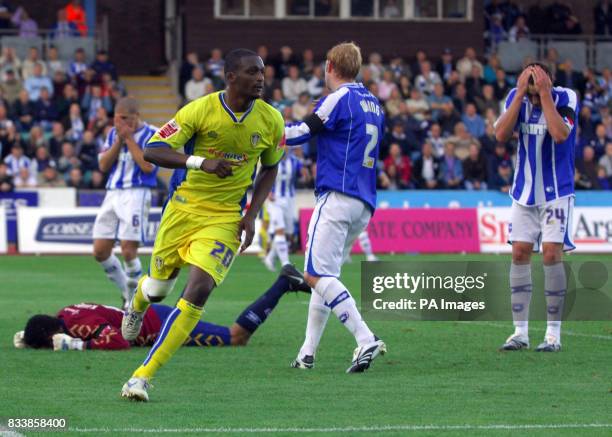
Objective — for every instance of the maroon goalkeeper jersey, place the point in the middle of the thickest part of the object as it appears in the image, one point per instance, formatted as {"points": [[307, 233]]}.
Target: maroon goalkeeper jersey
{"points": [[100, 326]]}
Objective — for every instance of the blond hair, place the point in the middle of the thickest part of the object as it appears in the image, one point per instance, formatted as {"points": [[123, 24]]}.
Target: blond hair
{"points": [[345, 59]]}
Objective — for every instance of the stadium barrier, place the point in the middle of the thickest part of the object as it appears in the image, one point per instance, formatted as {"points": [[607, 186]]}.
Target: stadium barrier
{"points": [[3, 239]]}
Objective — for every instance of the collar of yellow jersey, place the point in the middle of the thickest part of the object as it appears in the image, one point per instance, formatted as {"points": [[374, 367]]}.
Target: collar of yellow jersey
{"points": [[231, 113]]}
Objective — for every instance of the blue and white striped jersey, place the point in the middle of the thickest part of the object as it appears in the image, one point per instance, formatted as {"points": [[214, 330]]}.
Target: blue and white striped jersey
{"points": [[16, 164], [347, 145], [125, 173], [544, 169], [289, 169]]}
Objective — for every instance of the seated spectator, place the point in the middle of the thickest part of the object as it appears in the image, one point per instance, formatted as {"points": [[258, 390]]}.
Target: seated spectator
{"points": [[600, 141], [17, 160], [68, 160], [54, 62], [57, 139], [26, 25], [386, 86], [25, 178], [500, 155], [307, 64], [472, 121], [603, 18], [74, 124], [214, 66], [605, 182], [5, 125], [451, 170], [488, 140], [586, 171], [376, 66], [415, 67], [191, 61], [571, 26], [293, 85], [6, 180], [35, 140], [417, 105], [460, 98], [519, 31], [270, 82], [283, 61], [30, 63], [445, 67], [439, 102], [88, 152], [496, 32], [37, 81], [278, 101], [493, 64], [502, 181], [64, 28], [9, 61], [605, 161], [198, 86], [59, 81], [398, 168], [426, 168], [434, 136], [301, 107], [98, 181], [76, 14], [68, 97], [103, 65], [397, 135], [475, 169], [462, 139], [474, 83], [487, 100], [398, 68], [11, 87], [393, 104], [501, 86], [404, 87], [42, 160], [569, 78], [46, 111], [466, 64], [50, 178], [24, 112], [99, 124], [92, 100], [78, 65], [587, 127], [428, 78]]}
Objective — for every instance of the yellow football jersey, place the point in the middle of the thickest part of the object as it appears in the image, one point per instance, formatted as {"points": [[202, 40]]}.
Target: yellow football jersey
{"points": [[207, 127]]}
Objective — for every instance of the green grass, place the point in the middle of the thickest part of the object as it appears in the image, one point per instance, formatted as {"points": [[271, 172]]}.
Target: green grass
{"points": [[436, 373]]}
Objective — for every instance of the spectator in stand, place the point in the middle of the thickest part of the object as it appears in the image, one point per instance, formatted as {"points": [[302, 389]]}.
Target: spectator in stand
{"points": [[6, 180], [17, 160], [97, 180], [102, 65], [7, 132], [434, 136], [59, 81], [426, 168], [462, 138], [75, 179], [417, 105], [489, 70], [519, 31], [64, 28], [474, 83], [11, 87], [571, 26], [46, 110], [397, 135], [415, 68], [496, 32], [5, 15], [569, 78], [586, 171], [386, 86], [76, 14], [25, 178], [475, 169], [92, 100], [393, 104], [472, 121], [78, 66], [587, 127], [605, 182], [68, 159], [30, 63], [502, 180], [293, 85], [88, 152], [439, 103], [57, 139], [500, 155], [301, 107], [198, 86], [99, 124], [36, 82], [603, 18], [35, 139], [66, 99], [316, 83], [42, 160], [426, 81], [465, 64], [404, 87], [451, 170], [307, 64], [397, 67], [445, 67], [26, 25], [214, 66], [284, 61], [376, 66], [600, 140], [50, 178], [278, 101], [501, 85], [488, 141], [460, 98], [24, 112], [398, 168], [9, 61], [74, 125], [605, 161], [487, 100], [191, 62], [270, 83], [54, 62]]}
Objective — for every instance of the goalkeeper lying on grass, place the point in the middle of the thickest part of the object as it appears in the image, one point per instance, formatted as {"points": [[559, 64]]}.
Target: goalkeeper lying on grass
{"points": [[92, 326]]}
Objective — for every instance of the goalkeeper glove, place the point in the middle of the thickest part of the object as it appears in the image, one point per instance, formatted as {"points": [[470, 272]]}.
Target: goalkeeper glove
{"points": [[18, 340], [63, 342]]}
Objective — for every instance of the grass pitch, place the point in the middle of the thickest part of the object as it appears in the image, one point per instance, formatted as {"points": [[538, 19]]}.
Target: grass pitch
{"points": [[438, 377]]}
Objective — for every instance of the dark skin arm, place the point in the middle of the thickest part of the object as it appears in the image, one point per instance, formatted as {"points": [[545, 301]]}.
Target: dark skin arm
{"points": [[507, 121], [556, 126], [263, 185], [169, 158]]}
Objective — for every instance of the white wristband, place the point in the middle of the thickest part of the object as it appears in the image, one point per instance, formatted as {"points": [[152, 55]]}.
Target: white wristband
{"points": [[194, 162]]}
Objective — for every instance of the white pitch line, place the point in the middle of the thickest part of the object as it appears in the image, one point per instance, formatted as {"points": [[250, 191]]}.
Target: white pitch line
{"points": [[352, 429], [563, 331]]}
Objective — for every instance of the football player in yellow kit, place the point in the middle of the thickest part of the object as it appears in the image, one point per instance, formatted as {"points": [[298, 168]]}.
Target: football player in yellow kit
{"points": [[224, 135]]}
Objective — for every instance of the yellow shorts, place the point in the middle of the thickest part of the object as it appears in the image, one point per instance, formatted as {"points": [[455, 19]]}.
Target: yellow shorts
{"points": [[210, 243]]}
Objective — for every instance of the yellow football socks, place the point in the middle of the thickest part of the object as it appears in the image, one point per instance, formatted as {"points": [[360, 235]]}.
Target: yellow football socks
{"points": [[175, 331]]}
